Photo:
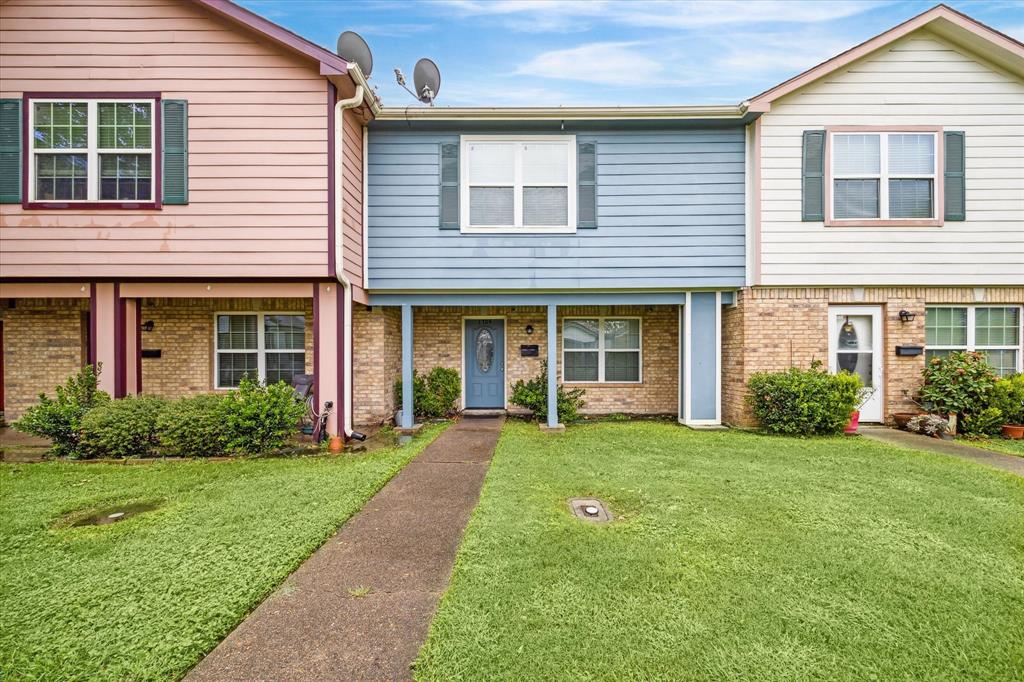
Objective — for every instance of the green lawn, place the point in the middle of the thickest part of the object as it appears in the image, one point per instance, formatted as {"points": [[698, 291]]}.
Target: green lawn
{"points": [[145, 598], [734, 556], [1004, 445]]}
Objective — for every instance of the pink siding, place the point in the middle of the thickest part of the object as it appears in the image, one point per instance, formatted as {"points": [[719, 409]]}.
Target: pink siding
{"points": [[352, 218], [257, 145]]}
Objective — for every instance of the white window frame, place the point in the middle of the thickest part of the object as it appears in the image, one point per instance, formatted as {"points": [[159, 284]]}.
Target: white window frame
{"points": [[972, 332], [884, 175], [517, 187], [601, 350], [261, 350], [91, 151]]}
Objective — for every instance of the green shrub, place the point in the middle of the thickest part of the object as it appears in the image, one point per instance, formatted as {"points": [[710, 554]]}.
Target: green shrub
{"points": [[1008, 396], [801, 402], [434, 395], [122, 428], [986, 422], [959, 383], [60, 419], [193, 427], [259, 418], [533, 395]]}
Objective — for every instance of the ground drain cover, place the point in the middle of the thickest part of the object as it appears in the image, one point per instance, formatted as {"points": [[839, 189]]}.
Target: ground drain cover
{"points": [[590, 510], [115, 514]]}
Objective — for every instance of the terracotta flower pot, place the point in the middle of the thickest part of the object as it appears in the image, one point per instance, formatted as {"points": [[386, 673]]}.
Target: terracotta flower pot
{"points": [[336, 444], [900, 419], [854, 423], [1015, 431]]}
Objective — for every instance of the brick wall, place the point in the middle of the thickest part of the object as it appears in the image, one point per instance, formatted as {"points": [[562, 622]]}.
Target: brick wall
{"points": [[377, 362], [438, 341], [44, 344], [774, 328], [183, 332]]}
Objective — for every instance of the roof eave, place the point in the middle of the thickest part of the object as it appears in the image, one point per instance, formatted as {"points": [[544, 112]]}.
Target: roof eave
{"points": [[727, 111]]}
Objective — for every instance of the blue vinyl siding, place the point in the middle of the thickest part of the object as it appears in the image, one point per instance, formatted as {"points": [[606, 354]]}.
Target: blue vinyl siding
{"points": [[670, 213]]}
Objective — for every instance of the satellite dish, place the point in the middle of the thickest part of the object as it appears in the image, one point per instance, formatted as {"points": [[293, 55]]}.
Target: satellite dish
{"points": [[426, 77], [352, 48]]}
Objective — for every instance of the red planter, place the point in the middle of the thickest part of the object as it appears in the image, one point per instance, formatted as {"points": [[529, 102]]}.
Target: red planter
{"points": [[854, 422], [1014, 431]]}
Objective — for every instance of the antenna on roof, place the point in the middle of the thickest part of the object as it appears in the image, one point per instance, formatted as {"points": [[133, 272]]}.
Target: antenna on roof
{"points": [[352, 48], [426, 78]]}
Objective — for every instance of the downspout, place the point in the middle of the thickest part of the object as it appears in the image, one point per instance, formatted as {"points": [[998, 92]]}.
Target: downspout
{"points": [[339, 233]]}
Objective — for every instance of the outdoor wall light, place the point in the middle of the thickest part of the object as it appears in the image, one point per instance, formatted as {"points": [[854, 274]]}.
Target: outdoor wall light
{"points": [[529, 329], [907, 316], [146, 326]]}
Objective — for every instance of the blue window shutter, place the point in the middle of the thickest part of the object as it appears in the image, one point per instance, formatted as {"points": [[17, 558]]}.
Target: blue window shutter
{"points": [[10, 151], [813, 176], [586, 187], [174, 154], [449, 189], [954, 177]]}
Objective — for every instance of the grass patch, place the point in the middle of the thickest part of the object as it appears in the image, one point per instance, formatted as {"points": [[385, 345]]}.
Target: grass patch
{"points": [[147, 597], [733, 556], [1003, 445]]}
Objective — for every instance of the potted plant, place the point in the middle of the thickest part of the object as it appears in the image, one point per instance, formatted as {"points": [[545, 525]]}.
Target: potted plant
{"points": [[956, 384], [1008, 396], [863, 396]]}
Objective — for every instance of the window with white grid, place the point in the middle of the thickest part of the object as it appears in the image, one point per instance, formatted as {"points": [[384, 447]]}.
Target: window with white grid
{"points": [[883, 175], [994, 331], [266, 346], [520, 184], [601, 350]]}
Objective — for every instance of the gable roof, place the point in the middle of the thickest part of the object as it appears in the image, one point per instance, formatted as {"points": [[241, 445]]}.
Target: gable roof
{"points": [[942, 20], [330, 63]]}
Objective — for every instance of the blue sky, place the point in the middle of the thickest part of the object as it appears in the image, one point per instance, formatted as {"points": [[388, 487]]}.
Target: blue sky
{"points": [[606, 52]]}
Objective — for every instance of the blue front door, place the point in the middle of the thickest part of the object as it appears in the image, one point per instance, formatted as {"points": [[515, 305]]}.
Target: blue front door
{"points": [[485, 364]]}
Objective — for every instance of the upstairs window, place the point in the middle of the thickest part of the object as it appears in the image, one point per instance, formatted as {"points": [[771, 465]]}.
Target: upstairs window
{"points": [[91, 150], [883, 176], [515, 184]]}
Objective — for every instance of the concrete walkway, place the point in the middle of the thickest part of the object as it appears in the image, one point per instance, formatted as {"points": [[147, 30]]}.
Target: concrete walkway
{"points": [[1014, 465], [322, 624]]}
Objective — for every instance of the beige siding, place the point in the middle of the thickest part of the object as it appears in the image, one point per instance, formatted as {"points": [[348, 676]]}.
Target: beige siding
{"points": [[257, 143], [919, 80]]}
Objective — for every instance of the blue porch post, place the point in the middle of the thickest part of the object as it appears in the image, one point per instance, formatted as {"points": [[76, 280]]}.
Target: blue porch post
{"points": [[552, 367], [407, 409]]}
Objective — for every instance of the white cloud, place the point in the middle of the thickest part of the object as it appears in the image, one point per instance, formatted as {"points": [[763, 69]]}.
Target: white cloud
{"points": [[600, 63], [542, 15]]}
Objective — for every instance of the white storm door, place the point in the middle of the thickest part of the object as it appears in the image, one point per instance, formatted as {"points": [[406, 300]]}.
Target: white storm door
{"points": [[855, 344]]}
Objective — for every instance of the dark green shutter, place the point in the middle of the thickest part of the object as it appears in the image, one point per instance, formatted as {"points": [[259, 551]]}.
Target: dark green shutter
{"points": [[175, 151], [449, 199], [955, 197], [10, 151], [813, 176], [586, 178]]}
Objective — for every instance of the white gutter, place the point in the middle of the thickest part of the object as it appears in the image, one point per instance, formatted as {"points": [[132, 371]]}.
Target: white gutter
{"points": [[339, 234], [366, 212], [726, 111]]}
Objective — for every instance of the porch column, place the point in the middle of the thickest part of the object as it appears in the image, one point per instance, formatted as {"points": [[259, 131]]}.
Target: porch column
{"points": [[328, 352], [407, 367], [106, 336], [553, 368], [131, 310], [701, 358]]}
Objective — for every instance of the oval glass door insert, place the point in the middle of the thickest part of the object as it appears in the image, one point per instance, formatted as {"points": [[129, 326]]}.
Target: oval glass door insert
{"points": [[484, 350]]}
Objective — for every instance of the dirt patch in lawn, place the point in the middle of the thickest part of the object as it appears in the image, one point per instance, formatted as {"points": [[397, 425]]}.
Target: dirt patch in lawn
{"points": [[108, 514]]}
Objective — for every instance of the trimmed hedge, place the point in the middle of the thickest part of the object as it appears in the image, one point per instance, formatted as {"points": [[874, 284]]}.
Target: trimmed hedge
{"points": [[804, 402], [122, 428], [435, 395], [193, 427]]}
